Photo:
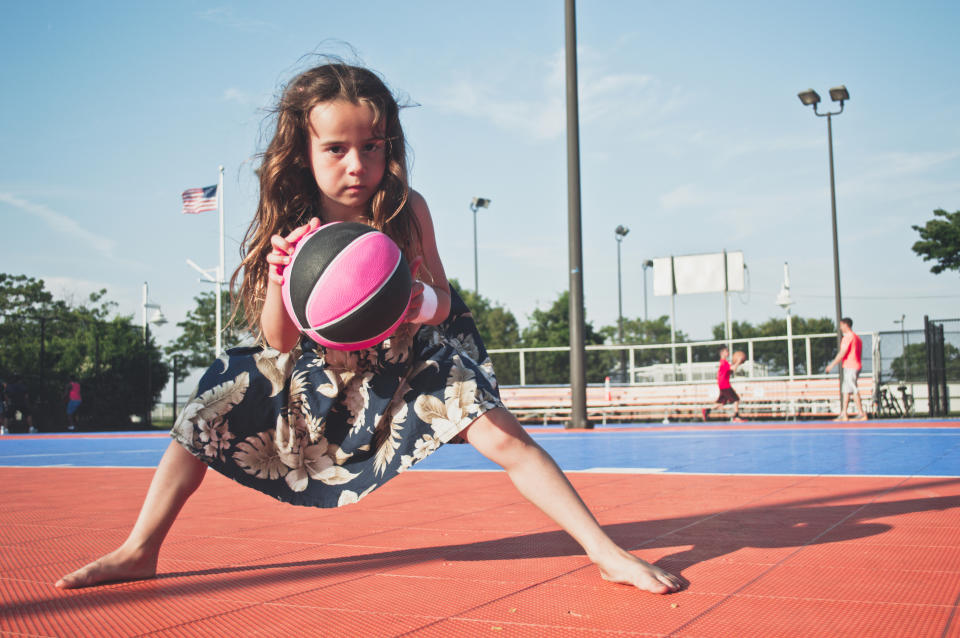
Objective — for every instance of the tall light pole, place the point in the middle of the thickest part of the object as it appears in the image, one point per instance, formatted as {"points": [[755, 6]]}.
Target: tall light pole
{"points": [[475, 205], [157, 319], [620, 232], [647, 264], [812, 98], [578, 349]]}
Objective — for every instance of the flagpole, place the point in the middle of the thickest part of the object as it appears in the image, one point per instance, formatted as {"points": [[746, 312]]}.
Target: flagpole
{"points": [[220, 269]]}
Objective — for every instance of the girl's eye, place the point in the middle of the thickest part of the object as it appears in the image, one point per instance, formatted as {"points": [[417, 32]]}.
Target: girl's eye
{"points": [[336, 150], [373, 147]]}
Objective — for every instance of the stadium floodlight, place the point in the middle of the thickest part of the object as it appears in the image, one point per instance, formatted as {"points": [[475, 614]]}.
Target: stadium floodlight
{"points": [[809, 97], [476, 204], [839, 93]]}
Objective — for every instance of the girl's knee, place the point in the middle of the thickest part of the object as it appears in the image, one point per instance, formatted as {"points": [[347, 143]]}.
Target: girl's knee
{"points": [[498, 436]]}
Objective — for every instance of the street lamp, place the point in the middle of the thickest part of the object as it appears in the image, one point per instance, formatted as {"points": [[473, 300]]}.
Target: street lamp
{"points": [[620, 232], [475, 205], [156, 319], [648, 263], [811, 98]]}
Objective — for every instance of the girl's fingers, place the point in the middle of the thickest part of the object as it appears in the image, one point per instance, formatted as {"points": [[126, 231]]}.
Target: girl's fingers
{"points": [[298, 232], [281, 245]]}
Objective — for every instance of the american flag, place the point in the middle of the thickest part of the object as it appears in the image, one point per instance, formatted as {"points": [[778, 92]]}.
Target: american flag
{"points": [[199, 200]]}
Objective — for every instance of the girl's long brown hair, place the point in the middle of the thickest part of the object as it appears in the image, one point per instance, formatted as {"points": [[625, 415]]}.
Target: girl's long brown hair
{"points": [[289, 196]]}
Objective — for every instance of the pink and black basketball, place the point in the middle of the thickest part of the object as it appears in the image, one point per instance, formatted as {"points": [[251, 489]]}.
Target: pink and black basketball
{"points": [[347, 286]]}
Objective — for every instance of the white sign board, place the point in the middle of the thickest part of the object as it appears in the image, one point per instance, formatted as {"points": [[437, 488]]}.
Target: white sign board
{"points": [[692, 274]]}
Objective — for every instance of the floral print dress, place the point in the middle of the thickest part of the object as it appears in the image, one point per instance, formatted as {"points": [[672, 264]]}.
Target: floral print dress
{"points": [[325, 428]]}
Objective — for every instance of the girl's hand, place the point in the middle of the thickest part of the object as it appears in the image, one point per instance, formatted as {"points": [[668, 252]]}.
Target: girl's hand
{"points": [[283, 247]]}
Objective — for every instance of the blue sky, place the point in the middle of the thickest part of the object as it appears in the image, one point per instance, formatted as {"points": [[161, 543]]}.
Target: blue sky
{"points": [[691, 134]]}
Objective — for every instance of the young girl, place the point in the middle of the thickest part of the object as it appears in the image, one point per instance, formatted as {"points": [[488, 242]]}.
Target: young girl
{"points": [[324, 428]]}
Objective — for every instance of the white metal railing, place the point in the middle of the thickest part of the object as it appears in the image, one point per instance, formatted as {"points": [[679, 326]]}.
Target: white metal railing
{"points": [[683, 371]]}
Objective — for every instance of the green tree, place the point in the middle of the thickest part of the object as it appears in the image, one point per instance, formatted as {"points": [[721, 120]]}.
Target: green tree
{"points": [[551, 327], [196, 344], [50, 341], [912, 364], [645, 332], [498, 328], [773, 354], [940, 241]]}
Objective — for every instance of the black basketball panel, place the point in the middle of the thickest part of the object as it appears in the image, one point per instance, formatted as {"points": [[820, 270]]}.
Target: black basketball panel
{"points": [[313, 257]]}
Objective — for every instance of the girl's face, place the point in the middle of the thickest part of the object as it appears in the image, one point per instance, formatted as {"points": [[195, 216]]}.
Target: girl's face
{"points": [[348, 156]]}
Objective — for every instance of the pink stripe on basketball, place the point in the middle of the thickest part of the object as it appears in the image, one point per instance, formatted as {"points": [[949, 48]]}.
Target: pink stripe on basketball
{"points": [[354, 276]]}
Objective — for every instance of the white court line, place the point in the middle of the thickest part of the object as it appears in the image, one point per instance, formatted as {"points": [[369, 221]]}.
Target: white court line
{"points": [[98, 453], [591, 470], [622, 470]]}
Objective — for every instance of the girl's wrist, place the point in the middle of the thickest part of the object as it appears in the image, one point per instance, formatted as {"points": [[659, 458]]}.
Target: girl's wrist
{"points": [[428, 305]]}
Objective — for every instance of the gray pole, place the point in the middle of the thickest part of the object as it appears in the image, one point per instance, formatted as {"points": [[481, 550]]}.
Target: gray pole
{"points": [[645, 316], [619, 297], [476, 270], [578, 377], [623, 353], [836, 250]]}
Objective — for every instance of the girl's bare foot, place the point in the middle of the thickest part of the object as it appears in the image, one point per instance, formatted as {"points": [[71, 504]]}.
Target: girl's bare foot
{"points": [[118, 565], [627, 569]]}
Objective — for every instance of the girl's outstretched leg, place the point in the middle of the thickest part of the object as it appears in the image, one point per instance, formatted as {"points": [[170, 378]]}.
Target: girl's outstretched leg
{"points": [[498, 436], [177, 477]]}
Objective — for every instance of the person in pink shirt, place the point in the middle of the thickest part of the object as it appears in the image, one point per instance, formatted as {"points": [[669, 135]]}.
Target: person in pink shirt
{"points": [[74, 399], [849, 358], [727, 394]]}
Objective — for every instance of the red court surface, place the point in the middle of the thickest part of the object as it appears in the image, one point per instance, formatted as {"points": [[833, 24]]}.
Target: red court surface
{"points": [[462, 554]]}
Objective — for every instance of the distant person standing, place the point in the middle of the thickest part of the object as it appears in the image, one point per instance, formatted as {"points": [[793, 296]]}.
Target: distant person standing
{"points": [[18, 400], [727, 394], [851, 349], [74, 399]]}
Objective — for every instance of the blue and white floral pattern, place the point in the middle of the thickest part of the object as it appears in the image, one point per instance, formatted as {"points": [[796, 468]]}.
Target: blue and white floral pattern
{"points": [[325, 428]]}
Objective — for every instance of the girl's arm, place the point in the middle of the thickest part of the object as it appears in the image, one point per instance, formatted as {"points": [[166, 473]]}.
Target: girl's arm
{"points": [[431, 271], [277, 328]]}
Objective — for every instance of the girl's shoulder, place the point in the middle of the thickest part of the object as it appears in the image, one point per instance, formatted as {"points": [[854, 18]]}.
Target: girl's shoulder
{"points": [[418, 204], [420, 211]]}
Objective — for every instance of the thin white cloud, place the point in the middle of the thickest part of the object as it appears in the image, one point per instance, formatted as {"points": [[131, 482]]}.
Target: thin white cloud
{"points": [[604, 96], [61, 223], [72, 289], [684, 196], [903, 174], [239, 96], [225, 16]]}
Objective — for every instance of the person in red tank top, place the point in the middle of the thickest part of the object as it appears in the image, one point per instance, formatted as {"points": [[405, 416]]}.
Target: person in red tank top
{"points": [[850, 360]]}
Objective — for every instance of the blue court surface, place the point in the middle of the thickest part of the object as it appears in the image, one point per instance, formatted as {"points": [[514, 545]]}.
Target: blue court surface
{"points": [[779, 450]]}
